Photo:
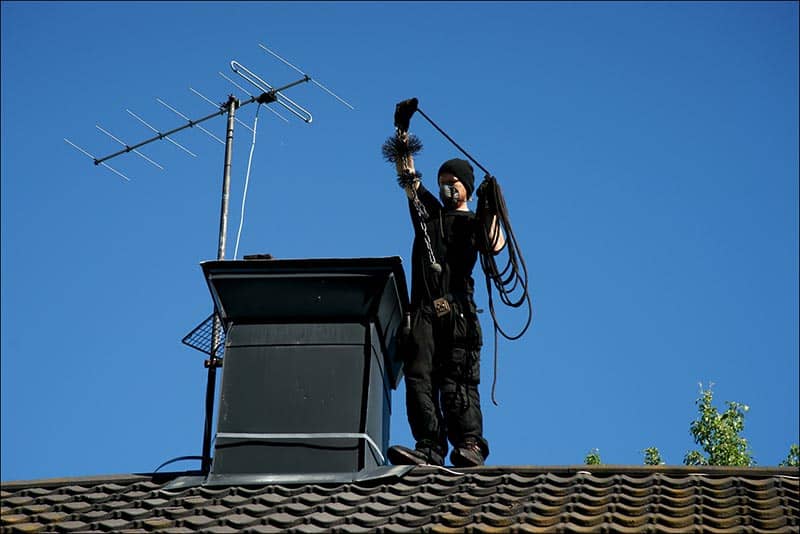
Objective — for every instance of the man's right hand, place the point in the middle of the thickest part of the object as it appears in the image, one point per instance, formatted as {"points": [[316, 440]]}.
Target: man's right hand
{"points": [[403, 112]]}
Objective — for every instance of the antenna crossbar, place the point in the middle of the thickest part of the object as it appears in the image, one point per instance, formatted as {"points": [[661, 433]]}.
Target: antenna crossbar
{"points": [[158, 137], [137, 117], [120, 141], [265, 98]]}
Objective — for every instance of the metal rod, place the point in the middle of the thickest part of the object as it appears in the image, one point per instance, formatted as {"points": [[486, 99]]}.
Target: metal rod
{"points": [[115, 171], [211, 385], [233, 102], [123, 143], [245, 91], [295, 108], [158, 137], [137, 117], [178, 113], [318, 84], [230, 108], [201, 95]]}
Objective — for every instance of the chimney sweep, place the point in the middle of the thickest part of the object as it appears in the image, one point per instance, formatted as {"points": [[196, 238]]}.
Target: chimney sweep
{"points": [[441, 342]]}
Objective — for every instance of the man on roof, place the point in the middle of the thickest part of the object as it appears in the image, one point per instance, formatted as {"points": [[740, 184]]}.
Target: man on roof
{"points": [[441, 344]]}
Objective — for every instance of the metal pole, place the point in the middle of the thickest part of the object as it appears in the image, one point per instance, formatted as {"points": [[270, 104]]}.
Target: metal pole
{"points": [[214, 362], [233, 103]]}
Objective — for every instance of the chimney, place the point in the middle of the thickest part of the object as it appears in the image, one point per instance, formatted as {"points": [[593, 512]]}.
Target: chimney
{"points": [[309, 365]]}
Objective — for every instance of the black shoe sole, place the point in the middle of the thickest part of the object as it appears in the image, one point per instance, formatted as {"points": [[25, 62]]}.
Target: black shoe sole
{"points": [[461, 461], [403, 457], [399, 455]]}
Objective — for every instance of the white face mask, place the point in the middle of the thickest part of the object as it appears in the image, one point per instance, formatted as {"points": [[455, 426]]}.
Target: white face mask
{"points": [[449, 196]]}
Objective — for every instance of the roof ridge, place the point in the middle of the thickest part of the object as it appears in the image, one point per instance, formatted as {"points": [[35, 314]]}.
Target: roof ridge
{"points": [[493, 470]]}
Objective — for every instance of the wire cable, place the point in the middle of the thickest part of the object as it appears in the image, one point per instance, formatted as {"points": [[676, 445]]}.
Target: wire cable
{"points": [[246, 183], [178, 459]]}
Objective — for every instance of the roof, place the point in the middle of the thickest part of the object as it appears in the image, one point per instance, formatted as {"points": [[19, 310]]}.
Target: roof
{"points": [[484, 499]]}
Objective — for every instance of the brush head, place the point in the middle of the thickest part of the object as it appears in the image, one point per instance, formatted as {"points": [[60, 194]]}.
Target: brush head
{"points": [[407, 178], [397, 147]]}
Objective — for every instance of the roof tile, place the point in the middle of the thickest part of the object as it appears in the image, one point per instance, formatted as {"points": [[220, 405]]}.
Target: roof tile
{"points": [[312, 499], [240, 520], [55, 498], [234, 500], [13, 519], [270, 499], [33, 509], [196, 521], [74, 507], [392, 499], [368, 520], [430, 499], [309, 529], [297, 508], [96, 515], [265, 529], [134, 513], [351, 499], [284, 520], [455, 521], [158, 522], [176, 512], [18, 500], [216, 510], [112, 525], [52, 517], [379, 509], [71, 526], [154, 503], [326, 520], [445, 529], [97, 497], [37, 492], [487, 499], [178, 530], [338, 508], [255, 509], [495, 520], [412, 521], [29, 527]]}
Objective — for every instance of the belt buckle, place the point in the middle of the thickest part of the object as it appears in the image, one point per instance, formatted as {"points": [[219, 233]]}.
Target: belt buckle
{"points": [[441, 306]]}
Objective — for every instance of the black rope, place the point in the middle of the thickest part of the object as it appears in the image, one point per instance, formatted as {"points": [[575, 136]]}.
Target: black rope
{"points": [[513, 277], [453, 141]]}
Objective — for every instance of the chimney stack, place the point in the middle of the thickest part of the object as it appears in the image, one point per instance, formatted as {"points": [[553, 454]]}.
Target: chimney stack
{"points": [[309, 365]]}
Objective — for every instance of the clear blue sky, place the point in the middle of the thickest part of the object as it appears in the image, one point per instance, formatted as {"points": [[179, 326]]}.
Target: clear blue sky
{"points": [[647, 151]]}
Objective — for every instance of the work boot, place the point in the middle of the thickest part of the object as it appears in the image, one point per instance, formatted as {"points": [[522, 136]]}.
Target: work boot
{"points": [[400, 455], [468, 454]]}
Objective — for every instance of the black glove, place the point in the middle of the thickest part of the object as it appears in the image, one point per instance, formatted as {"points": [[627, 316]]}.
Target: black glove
{"points": [[487, 195], [403, 112]]}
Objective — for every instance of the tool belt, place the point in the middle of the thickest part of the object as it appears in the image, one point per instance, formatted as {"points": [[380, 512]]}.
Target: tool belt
{"points": [[458, 313]]}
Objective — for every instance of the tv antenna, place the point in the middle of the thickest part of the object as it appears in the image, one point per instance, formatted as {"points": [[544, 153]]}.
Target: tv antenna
{"points": [[208, 336]]}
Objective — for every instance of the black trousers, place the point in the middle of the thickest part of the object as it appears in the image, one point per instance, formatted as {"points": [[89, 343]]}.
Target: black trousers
{"points": [[442, 373]]}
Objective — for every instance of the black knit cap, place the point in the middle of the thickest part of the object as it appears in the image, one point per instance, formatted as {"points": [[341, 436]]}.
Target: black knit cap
{"points": [[461, 169]]}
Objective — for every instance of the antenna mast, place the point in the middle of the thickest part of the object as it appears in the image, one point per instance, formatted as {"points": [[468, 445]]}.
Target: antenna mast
{"points": [[200, 338]]}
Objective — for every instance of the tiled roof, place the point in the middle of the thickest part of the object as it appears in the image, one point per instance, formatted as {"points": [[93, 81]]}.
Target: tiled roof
{"points": [[484, 499]]}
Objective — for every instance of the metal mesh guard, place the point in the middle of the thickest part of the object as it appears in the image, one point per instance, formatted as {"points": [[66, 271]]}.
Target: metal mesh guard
{"points": [[201, 337]]}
